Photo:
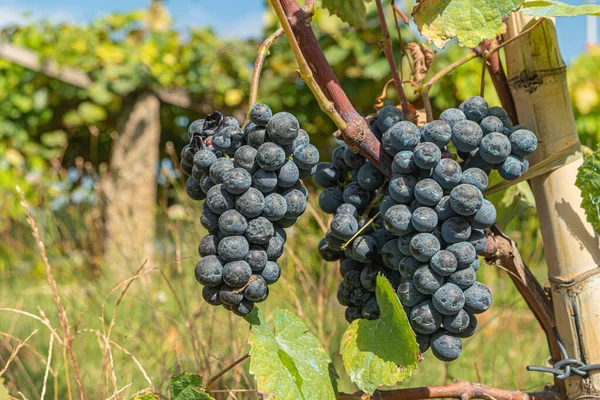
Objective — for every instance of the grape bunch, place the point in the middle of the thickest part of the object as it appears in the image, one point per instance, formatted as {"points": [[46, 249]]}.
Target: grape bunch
{"points": [[249, 180], [424, 227]]}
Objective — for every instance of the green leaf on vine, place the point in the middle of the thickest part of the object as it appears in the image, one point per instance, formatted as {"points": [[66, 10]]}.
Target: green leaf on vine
{"points": [[553, 8], [291, 363], [384, 351], [143, 396], [353, 12], [512, 202], [588, 180], [187, 387], [470, 21]]}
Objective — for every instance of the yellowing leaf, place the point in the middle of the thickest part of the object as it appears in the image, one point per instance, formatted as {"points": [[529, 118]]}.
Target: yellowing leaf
{"points": [[470, 21], [353, 12], [553, 8]]}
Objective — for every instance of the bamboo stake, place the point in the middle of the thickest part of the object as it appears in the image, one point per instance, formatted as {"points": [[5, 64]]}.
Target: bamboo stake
{"points": [[537, 79]]}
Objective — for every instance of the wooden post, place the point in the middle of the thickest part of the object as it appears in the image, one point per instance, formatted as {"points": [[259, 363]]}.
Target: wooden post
{"points": [[130, 189], [537, 79]]}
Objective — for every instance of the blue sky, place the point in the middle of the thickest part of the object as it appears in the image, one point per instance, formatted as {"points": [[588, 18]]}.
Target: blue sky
{"points": [[229, 18]]}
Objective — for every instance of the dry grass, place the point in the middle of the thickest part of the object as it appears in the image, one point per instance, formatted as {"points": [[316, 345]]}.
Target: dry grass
{"points": [[133, 334]]}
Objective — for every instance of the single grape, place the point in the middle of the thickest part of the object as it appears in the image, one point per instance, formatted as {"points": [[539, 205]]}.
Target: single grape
{"points": [[523, 142], [424, 318], [208, 245], [404, 243], [445, 346], [447, 173], [443, 263], [187, 155], [370, 310], [423, 246], [206, 183], [230, 296], [437, 132], [251, 203], [385, 204], [456, 229], [444, 210], [271, 272], [236, 180], [353, 313], [408, 266], [391, 255], [404, 163], [353, 160], [456, 323], [475, 108], [270, 156], [197, 175], [256, 136], [209, 271], [222, 139], [265, 181], [452, 116], [426, 280], [256, 258], [404, 135], [423, 342], [485, 217], [283, 128], [478, 298], [364, 248], [244, 308], [306, 156], [193, 190], [330, 199], [463, 278], [274, 248], [233, 248], [464, 252], [402, 188], [397, 220], [476, 177], [275, 207], [260, 114], [409, 295], [428, 192], [368, 277], [491, 124], [328, 254], [211, 295], [203, 159], [236, 273], [386, 144], [475, 264], [333, 242], [369, 177], [209, 220], [466, 135], [424, 219], [218, 169], [337, 159], [187, 169], [357, 196], [288, 174], [195, 128], [478, 240], [388, 116], [494, 148], [296, 203], [347, 209], [501, 113], [326, 175], [426, 155], [352, 279], [232, 223], [471, 328], [245, 157], [343, 295], [466, 199], [449, 299], [259, 231], [512, 168], [343, 226]]}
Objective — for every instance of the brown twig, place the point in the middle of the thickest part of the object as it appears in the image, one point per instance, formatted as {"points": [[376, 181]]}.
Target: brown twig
{"points": [[318, 75], [263, 50], [61, 311], [502, 250], [225, 370], [389, 54], [483, 69], [397, 11], [500, 82], [458, 390]]}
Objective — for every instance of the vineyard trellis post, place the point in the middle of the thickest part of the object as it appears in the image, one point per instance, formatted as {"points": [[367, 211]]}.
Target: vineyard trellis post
{"points": [[538, 82]]}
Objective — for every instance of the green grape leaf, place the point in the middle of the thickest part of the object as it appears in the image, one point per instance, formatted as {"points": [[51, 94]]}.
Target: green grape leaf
{"points": [[384, 351], [291, 363], [588, 180], [470, 21], [353, 12], [553, 8], [187, 387]]}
